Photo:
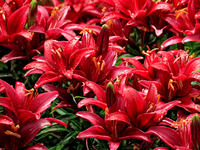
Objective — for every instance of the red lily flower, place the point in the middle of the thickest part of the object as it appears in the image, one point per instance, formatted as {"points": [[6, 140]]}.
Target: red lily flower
{"points": [[13, 137], [23, 110], [155, 11], [172, 73], [147, 111], [12, 29], [67, 100], [59, 62], [179, 139], [22, 105], [130, 8], [114, 128], [52, 26], [185, 21], [101, 63]]}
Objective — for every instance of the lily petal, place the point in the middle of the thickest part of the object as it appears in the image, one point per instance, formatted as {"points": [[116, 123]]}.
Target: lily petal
{"points": [[97, 132], [172, 138]]}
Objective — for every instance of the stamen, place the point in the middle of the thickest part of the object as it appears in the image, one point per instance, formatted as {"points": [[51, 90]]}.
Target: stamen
{"points": [[103, 10], [89, 31], [143, 52], [181, 12], [71, 87], [29, 92], [158, 96], [8, 132], [102, 65], [14, 131], [98, 67], [95, 62], [191, 56], [177, 59], [109, 23], [15, 128], [106, 111], [180, 84], [170, 84]]}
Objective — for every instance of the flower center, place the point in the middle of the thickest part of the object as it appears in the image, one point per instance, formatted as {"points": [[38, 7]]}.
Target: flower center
{"points": [[99, 64], [181, 12], [89, 31]]}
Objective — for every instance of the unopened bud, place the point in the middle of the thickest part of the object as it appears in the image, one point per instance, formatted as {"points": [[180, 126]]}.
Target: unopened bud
{"points": [[195, 132], [32, 14], [103, 40], [110, 94]]}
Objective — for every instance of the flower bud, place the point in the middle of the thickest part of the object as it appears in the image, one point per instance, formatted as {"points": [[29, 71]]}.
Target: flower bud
{"points": [[103, 40], [110, 94], [195, 132], [32, 14]]}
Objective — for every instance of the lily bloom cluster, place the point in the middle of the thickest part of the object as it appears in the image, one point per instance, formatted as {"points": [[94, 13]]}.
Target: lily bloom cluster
{"points": [[126, 97], [22, 120]]}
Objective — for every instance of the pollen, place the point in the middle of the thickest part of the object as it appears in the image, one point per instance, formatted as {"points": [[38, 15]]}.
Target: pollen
{"points": [[15, 128], [103, 10], [106, 111], [102, 65], [55, 12], [8, 132], [72, 88], [181, 12], [110, 23], [195, 98], [170, 84], [13, 132], [89, 31], [3, 15], [191, 56]]}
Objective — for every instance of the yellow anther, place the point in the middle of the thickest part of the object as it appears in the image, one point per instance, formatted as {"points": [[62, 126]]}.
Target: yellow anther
{"points": [[55, 12], [29, 92], [158, 96], [13, 132], [71, 87], [95, 62], [191, 56], [170, 84], [100, 57], [15, 128], [144, 53], [98, 67], [89, 31], [8, 132], [150, 108], [103, 10], [102, 65], [110, 23], [195, 98], [106, 111], [4, 17], [181, 12]]}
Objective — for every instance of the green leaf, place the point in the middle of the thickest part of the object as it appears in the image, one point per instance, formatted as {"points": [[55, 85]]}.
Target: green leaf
{"points": [[53, 129], [68, 139], [196, 83]]}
